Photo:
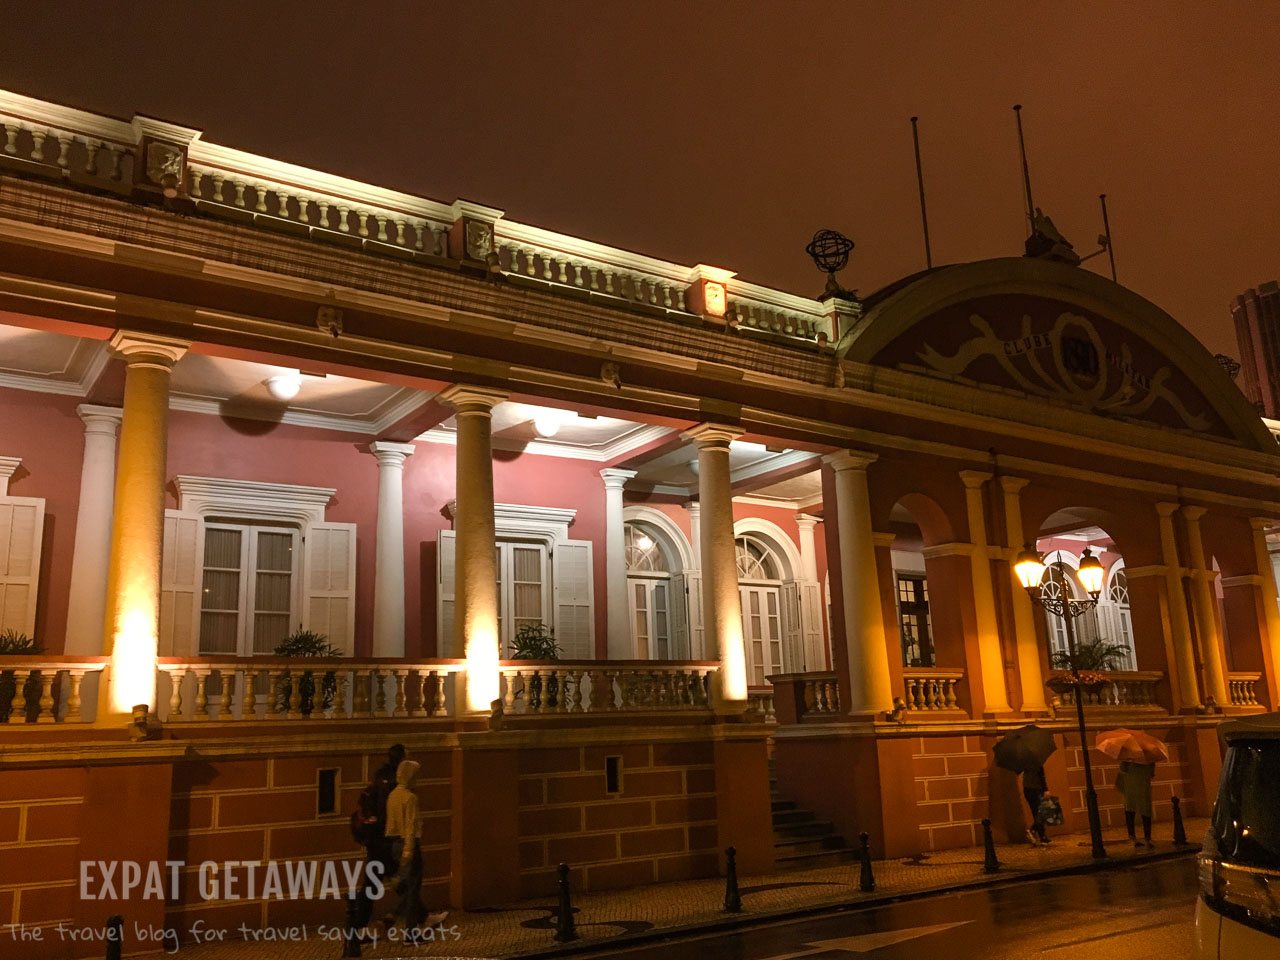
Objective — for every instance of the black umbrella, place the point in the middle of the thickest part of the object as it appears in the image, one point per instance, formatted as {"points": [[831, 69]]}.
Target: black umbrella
{"points": [[1024, 749]]}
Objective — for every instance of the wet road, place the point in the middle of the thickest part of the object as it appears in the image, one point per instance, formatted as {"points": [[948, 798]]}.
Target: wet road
{"points": [[1141, 913]]}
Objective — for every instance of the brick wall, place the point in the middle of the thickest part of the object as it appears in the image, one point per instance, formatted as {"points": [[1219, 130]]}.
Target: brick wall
{"points": [[661, 825], [39, 845], [951, 777], [260, 810]]}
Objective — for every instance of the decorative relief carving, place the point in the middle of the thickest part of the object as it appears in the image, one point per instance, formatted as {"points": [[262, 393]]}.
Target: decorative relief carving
{"points": [[1069, 362], [479, 239]]}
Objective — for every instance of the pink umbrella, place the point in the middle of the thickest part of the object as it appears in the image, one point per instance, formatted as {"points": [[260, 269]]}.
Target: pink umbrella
{"points": [[1133, 745]]}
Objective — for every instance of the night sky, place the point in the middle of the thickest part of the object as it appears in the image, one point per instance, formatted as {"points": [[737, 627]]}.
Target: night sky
{"points": [[726, 133]]}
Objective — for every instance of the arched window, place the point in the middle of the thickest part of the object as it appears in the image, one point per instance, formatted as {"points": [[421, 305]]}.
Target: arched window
{"points": [[1061, 569], [756, 560], [655, 598], [1115, 612]]}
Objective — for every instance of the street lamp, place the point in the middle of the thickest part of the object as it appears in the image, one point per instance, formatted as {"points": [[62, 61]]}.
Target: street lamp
{"points": [[1029, 567]]}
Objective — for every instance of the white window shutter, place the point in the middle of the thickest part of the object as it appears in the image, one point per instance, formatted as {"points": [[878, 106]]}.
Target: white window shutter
{"points": [[693, 579], [329, 583], [815, 653], [446, 544], [181, 572], [21, 531], [574, 615], [792, 628], [678, 606]]}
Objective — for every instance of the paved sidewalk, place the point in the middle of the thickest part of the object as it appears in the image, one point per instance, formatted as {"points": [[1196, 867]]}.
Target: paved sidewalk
{"points": [[528, 927]]}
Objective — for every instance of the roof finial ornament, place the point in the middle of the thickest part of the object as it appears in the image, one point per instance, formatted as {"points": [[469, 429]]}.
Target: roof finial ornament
{"points": [[1045, 242], [830, 251]]}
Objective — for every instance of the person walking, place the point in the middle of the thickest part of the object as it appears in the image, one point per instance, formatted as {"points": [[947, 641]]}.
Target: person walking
{"points": [[1135, 784], [1034, 787], [403, 832], [368, 826]]}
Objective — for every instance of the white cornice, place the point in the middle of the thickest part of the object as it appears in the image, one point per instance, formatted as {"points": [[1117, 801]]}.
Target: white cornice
{"points": [[79, 387], [779, 461], [620, 447], [217, 496], [400, 405]]}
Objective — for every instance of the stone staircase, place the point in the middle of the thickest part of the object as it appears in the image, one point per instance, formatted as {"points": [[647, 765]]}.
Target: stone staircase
{"points": [[800, 839]]}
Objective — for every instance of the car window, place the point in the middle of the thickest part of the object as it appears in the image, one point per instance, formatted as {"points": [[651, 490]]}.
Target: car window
{"points": [[1246, 818]]}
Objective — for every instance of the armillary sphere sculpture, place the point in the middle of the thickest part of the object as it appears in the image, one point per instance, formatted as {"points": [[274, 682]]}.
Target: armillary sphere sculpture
{"points": [[830, 251]]}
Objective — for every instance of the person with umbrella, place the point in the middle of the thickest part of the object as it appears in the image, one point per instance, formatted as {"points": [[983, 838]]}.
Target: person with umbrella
{"points": [[1024, 751], [1138, 754]]}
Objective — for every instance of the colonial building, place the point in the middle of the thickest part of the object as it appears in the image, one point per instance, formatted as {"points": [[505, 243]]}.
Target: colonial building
{"points": [[240, 399]]}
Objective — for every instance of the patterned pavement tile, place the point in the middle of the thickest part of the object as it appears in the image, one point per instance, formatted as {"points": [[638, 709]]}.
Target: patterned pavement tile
{"points": [[529, 926]]}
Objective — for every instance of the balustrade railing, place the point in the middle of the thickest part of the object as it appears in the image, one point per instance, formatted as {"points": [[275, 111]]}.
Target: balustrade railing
{"points": [[811, 697], [269, 688], [549, 687], [114, 154], [1130, 689], [760, 701], [45, 689], [930, 688], [1242, 689]]}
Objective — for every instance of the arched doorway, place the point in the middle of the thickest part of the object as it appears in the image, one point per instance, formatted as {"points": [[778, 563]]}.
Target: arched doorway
{"points": [[1063, 540]]}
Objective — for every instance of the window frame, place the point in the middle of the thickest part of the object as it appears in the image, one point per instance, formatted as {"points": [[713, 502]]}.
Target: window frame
{"points": [[250, 529]]}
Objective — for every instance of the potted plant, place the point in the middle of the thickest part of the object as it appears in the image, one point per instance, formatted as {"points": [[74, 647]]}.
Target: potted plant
{"points": [[307, 643], [1090, 660], [537, 641], [13, 644]]}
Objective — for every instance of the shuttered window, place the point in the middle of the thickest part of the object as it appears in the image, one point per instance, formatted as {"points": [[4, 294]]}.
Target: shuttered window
{"points": [[249, 588], [21, 526]]}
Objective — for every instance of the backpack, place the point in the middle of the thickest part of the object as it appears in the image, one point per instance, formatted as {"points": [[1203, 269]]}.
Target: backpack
{"points": [[365, 817]]}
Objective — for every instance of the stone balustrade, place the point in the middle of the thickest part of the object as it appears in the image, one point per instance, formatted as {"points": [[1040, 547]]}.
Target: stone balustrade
{"points": [[551, 687], [931, 688], [408, 226], [760, 701], [45, 689], [1242, 688], [811, 697], [1121, 689], [273, 688], [50, 140]]}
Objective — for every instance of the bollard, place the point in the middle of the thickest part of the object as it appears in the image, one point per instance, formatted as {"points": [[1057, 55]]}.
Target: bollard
{"points": [[732, 899], [866, 880], [989, 862], [1179, 831], [565, 930], [351, 938], [115, 937]]}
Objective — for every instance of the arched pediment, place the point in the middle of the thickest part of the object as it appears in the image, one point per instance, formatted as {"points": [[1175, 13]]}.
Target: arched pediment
{"points": [[1059, 333]]}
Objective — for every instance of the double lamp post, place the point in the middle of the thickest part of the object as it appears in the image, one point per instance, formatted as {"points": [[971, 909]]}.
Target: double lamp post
{"points": [[1030, 567]]}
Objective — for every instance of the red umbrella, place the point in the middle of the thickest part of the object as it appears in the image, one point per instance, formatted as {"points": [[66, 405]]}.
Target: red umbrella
{"points": [[1134, 745]]}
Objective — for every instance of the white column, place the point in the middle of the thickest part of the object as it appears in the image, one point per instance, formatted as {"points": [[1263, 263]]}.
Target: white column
{"points": [[868, 654], [87, 610], [808, 549], [1030, 676], [476, 585], [721, 605], [695, 532], [615, 544], [995, 695], [388, 582]]}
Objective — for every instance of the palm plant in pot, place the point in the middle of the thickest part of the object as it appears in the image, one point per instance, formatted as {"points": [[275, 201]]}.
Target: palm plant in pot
{"points": [[14, 644], [1086, 664], [307, 643], [537, 641]]}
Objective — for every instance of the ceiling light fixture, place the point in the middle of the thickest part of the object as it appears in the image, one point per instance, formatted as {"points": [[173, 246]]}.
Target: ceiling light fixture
{"points": [[284, 386], [547, 424]]}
